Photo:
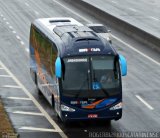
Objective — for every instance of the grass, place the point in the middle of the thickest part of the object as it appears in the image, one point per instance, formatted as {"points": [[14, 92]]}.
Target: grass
{"points": [[6, 128]]}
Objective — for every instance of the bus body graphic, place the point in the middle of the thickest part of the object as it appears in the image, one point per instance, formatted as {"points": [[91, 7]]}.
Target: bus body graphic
{"points": [[77, 70]]}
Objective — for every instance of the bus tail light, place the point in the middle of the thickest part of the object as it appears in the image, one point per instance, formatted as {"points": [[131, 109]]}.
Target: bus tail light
{"points": [[66, 108], [117, 106]]}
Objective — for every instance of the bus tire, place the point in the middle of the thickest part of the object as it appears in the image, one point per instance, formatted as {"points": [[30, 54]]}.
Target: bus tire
{"points": [[58, 118], [53, 102], [36, 83]]}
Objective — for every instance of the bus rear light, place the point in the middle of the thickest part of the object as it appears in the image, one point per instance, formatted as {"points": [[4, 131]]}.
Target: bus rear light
{"points": [[66, 108], [117, 106]]}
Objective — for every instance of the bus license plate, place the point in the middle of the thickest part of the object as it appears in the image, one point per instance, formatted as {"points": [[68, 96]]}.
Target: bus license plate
{"points": [[92, 115]]}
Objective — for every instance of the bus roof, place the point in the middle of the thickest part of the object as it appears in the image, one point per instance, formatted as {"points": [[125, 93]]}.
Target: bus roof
{"points": [[51, 23], [72, 37]]}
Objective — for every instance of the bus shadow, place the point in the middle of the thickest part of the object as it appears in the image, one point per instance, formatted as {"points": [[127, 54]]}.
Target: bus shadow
{"points": [[88, 124], [85, 129]]}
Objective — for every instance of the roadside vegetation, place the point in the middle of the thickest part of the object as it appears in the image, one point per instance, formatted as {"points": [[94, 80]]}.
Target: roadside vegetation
{"points": [[6, 128]]}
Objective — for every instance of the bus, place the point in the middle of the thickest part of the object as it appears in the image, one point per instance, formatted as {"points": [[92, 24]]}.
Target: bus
{"points": [[78, 71]]}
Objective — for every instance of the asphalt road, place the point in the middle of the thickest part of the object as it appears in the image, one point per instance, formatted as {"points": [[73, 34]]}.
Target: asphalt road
{"points": [[141, 91], [144, 14]]}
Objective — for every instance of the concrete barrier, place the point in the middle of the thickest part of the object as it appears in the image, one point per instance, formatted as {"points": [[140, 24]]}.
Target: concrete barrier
{"points": [[120, 25]]}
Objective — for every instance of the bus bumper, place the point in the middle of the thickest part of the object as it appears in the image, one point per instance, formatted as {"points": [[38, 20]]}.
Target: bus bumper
{"points": [[87, 115]]}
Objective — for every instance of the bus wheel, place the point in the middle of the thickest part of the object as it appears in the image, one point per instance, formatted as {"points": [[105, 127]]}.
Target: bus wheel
{"points": [[53, 102], [58, 118], [36, 83]]}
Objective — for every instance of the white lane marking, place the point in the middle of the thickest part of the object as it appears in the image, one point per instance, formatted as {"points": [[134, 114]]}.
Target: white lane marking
{"points": [[36, 12], [22, 43], [10, 27], [28, 113], [38, 129], [27, 50], [14, 32], [18, 37], [136, 50], [134, 10], [26, 4], [1, 15], [11, 86], [7, 22], [154, 18], [129, 46], [1, 68], [114, 2], [72, 11], [19, 98], [5, 76], [144, 102], [4, 19], [51, 121]]}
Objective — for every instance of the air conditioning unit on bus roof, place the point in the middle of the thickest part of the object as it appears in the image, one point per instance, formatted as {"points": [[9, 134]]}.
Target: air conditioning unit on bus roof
{"points": [[64, 21]]}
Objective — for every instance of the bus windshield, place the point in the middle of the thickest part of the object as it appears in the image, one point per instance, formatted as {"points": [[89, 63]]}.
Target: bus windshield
{"points": [[91, 77]]}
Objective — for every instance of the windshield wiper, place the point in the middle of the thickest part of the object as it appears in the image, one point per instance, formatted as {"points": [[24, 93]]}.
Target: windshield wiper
{"points": [[105, 92], [94, 78]]}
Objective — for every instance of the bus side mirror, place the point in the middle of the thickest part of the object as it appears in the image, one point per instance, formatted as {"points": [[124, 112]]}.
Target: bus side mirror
{"points": [[123, 64], [58, 67]]}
